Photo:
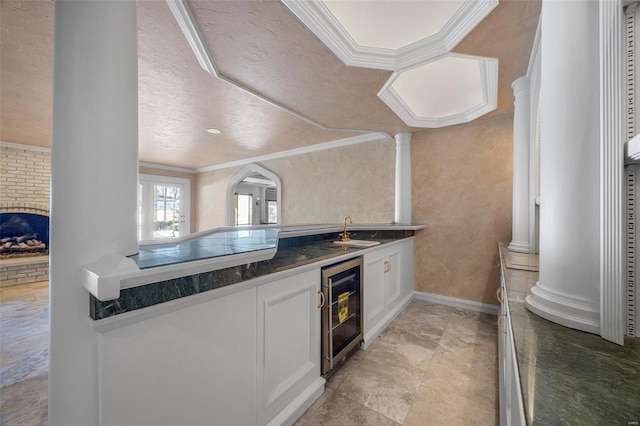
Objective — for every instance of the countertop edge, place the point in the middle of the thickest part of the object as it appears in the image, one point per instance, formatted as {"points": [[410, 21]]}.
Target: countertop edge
{"points": [[138, 315]]}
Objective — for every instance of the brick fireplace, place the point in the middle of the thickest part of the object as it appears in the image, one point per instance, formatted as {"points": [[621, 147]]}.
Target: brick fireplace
{"points": [[24, 242], [24, 193]]}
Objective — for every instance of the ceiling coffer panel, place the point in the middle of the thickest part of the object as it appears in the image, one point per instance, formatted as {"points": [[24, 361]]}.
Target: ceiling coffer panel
{"points": [[449, 90], [387, 34]]}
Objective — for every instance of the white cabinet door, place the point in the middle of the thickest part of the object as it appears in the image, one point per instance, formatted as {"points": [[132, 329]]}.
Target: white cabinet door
{"points": [[511, 403], [388, 280], [392, 276], [288, 341], [373, 288], [194, 366]]}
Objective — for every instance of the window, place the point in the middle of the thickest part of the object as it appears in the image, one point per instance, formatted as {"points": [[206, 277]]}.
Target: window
{"points": [[272, 212], [163, 207]]}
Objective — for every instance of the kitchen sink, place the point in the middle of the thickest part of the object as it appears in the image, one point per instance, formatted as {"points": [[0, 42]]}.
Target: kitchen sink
{"points": [[357, 243]]}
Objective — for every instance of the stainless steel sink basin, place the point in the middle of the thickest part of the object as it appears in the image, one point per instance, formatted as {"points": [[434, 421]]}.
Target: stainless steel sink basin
{"points": [[357, 243]]}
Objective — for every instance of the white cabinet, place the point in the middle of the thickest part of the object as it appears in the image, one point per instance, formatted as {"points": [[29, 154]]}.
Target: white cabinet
{"points": [[193, 366], [288, 345], [511, 405], [388, 285], [246, 358]]}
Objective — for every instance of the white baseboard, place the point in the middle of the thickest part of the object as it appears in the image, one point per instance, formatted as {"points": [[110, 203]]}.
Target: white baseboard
{"points": [[298, 406], [371, 335], [458, 303]]}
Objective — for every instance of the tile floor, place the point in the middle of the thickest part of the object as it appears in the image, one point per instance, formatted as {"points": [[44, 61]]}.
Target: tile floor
{"points": [[24, 354], [434, 365]]}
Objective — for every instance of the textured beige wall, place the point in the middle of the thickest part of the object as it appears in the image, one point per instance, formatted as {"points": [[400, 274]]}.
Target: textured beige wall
{"points": [[211, 195], [319, 187], [182, 175], [462, 179]]}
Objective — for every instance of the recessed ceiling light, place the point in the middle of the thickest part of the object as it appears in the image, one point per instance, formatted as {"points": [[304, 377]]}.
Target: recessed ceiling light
{"points": [[214, 131]]}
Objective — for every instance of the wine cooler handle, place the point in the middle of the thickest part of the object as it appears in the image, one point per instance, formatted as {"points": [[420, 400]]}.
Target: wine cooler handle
{"points": [[321, 293]]}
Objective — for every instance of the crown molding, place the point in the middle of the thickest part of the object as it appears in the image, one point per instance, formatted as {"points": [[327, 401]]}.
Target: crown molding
{"points": [[367, 137], [321, 22], [187, 23], [535, 48], [25, 147], [489, 81], [168, 168]]}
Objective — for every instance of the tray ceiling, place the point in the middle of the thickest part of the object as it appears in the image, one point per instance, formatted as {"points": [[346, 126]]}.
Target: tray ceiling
{"points": [[259, 47]]}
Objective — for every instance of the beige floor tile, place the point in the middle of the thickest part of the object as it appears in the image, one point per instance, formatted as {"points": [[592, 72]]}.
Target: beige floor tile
{"points": [[434, 406], [429, 308], [24, 402], [469, 349], [393, 351], [419, 329], [381, 388], [339, 410], [434, 365], [314, 407]]}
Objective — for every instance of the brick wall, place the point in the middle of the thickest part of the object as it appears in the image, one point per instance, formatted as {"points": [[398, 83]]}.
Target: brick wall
{"points": [[24, 175], [23, 273], [24, 182]]}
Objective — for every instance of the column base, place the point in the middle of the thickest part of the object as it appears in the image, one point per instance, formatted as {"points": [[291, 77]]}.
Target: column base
{"points": [[564, 309], [519, 246]]}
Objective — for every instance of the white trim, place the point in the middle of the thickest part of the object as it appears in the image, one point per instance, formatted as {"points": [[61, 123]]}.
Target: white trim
{"points": [[371, 335], [243, 173], [488, 76], [519, 246], [298, 406], [187, 23], [535, 48], [168, 168], [563, 309], [367, 137], [321, 22], [23, 146], [612, 117], [185, 226], [458, 303]]}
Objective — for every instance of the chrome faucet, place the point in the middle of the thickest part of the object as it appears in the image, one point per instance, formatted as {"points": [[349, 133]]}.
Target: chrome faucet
{"points": [[345, 236]]}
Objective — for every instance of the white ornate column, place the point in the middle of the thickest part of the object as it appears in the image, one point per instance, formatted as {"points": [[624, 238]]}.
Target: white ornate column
{"points": [[94, 174], [521, 119], [612, 117], [569, 288], [403, 178]]}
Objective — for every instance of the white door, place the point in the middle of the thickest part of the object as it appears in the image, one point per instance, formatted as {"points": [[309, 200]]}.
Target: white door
{"points": [[163, 207]]}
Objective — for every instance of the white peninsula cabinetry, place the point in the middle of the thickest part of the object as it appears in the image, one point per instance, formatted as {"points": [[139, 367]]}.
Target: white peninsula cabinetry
{"points": [[288, 347], [388, 285], [511, 405], [244, 354], [251, 357]]}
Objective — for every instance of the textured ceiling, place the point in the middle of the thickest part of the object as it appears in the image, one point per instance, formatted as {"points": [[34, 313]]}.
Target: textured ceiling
{"points": [[258, 44]]}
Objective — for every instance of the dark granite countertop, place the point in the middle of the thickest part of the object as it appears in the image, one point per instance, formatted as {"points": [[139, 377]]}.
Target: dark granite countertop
{"points": [[291, 253], [236, 240], [569, 377]]}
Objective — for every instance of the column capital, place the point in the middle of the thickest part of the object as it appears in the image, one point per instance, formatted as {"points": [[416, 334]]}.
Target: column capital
{"points": [[520, 86], [403, 138]]}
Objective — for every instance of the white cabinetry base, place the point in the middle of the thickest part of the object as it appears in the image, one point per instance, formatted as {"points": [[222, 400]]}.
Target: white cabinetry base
{"points": [[372, 334], [298, 406]]}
